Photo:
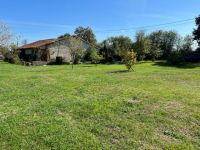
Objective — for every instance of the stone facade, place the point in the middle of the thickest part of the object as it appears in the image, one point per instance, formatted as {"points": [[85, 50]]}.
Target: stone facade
{"points": [[61, 49]]}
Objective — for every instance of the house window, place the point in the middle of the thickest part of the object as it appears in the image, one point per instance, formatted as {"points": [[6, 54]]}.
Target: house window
{"points": [[28, 52]]}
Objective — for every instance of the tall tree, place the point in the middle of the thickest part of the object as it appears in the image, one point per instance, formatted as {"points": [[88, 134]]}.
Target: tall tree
{"points": [[76, 49], [196, 31], [187, 44], [155, 48], [104, 50], [142, 45], [165, 42], [86, 34], [168, 42], [116, 48], [121, 45], [5, 35]]}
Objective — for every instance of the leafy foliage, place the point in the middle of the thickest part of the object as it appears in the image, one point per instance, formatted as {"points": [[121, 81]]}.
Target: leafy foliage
{"points": [[86, 34], [115, 48], [176, 58], [12, 55], [196, 32], [95, 57], [187, 43], [130, 60], [142, 45], [76, 51], [163, 43]]}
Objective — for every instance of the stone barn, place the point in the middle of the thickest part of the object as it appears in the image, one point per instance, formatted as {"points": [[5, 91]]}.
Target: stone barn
{"points": [[46, 51]]}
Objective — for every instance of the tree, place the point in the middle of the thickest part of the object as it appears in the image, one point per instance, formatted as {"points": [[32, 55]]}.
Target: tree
{"points": [[104, 51], [115, 48], [95, 57], [3, 50], [168, 42], [76, 50], [121, 45], [164, 42], [108, 51], [186, 47], [87, 54], [155, 50], [64, 35], [196, 32], [142, 45], [12, 55], [130, 60], [86, 34], [5, 35]]}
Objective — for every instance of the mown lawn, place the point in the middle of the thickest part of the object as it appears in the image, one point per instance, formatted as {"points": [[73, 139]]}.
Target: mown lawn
{"points": [[91, 107]]}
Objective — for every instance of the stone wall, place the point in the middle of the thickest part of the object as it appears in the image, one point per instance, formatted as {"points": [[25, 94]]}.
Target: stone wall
{"points": [[60, 49], [1, 57]]}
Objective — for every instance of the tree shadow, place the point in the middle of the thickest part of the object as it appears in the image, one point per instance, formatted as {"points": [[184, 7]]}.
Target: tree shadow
{"points": [[49, 70], [180, 66], [119, 71], [88, 66]]}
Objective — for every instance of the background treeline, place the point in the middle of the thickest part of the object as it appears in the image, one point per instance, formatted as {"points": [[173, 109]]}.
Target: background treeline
{"points": [[158, 45]]}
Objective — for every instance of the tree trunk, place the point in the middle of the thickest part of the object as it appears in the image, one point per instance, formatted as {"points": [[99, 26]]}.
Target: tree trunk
{"points": [[72, 66]]}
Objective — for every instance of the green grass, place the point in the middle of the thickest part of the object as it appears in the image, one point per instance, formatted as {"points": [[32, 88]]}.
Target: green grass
{"points": [[54, 107]]}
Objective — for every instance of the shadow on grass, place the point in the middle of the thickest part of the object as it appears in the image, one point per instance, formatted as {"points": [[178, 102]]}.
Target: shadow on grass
{"points": [[119, 71], [50, 70], [181, 66], [88, 66]]}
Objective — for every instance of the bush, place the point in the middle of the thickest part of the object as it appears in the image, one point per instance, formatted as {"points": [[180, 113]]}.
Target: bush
{"points": [[130, 60], [87, 55], [95, 58], [59, 60], [15, 60], [12, 58], [11, 54], [194, 57], [176, 58]]}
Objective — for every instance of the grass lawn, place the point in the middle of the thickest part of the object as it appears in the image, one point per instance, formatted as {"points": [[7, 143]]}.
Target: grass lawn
{"points": [[99, 107]]}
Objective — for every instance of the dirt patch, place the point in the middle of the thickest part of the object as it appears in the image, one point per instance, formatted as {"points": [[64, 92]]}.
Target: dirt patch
{"points": [[174, 105], [133, 100], [152, 108]]}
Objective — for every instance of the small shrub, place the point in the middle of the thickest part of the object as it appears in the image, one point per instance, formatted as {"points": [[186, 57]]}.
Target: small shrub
{"points": [[15, 60], [12, 58], [130, 60]]}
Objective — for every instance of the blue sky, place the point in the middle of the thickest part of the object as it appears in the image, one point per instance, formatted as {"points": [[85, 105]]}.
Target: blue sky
{"points": [[40, 19]]}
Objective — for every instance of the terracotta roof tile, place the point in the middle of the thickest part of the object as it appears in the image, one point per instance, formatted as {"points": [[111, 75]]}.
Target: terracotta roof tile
{"points": [[38, 44]]}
